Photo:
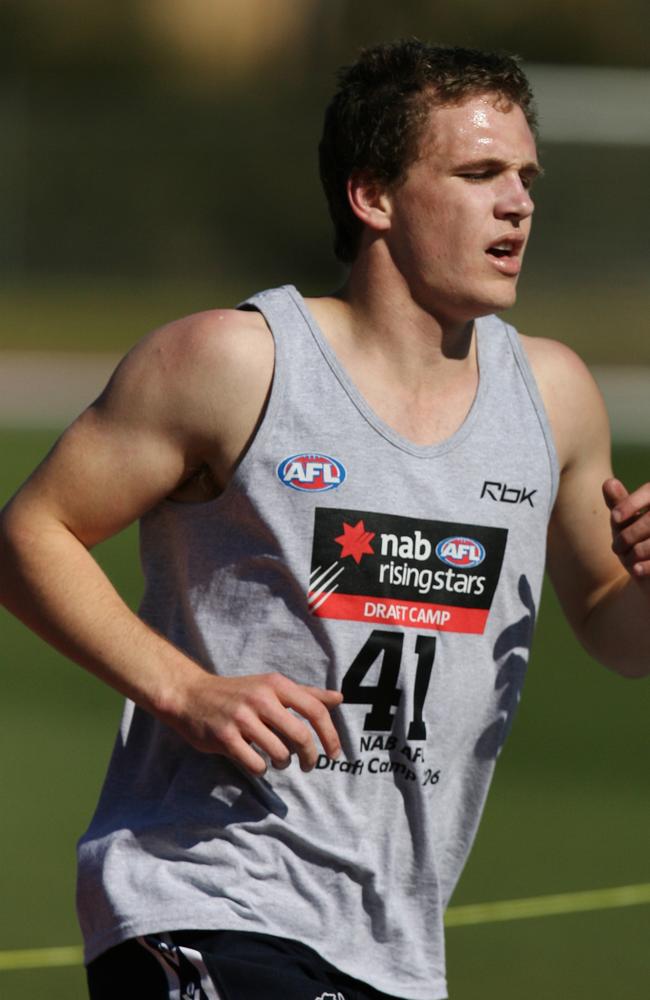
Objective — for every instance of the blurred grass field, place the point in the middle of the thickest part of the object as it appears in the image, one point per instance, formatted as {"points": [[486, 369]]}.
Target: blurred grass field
{"points": [[604, 323], [569, 808]]}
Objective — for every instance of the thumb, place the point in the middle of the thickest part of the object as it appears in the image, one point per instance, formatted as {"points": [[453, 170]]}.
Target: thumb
{"points": [[613, 492]]}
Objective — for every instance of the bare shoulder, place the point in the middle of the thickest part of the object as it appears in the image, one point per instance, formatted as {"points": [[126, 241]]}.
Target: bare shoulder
{"points": [[224, 344], [551, 360], [188, 398], [227, 338], [180, 408], [572, 399], [196, 371]]}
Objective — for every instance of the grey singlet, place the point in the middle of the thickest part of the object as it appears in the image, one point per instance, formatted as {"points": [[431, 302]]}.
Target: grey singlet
{"points": [[346, 557]]}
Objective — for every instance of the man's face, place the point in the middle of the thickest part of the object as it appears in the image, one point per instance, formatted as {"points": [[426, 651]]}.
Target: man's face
{"points": [[460, 219]]}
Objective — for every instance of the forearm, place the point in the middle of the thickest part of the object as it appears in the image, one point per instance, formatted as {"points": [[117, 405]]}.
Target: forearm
{"points": [[617, 629], [53, 584]]}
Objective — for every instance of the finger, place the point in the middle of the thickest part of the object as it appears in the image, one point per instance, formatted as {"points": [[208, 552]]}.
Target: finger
{"points": [[317, 712], [631, 506], [315, 705], [305, 749], [636, 557], [327, 696], [238, 750], [269, 743], [296, 734], [613, 492], [641, 570], [634, 533], [248, 722], [637, 568]]}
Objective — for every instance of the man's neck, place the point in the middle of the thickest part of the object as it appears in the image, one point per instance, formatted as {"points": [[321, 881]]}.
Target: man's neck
{"points": [[388, 310], [418, 374], [378, 315]]}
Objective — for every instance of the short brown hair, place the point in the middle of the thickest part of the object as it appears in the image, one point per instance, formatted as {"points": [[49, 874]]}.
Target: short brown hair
{"points": [[376, 117]]}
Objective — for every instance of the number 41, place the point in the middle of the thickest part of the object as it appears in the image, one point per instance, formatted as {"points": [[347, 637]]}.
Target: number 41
{"points": [[385, 694]]}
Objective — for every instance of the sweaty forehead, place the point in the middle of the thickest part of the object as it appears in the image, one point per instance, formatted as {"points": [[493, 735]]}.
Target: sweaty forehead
{"points": [[483, 125]]}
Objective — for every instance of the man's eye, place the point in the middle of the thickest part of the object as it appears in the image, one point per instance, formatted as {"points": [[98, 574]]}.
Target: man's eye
{"points": [[482, 176]]}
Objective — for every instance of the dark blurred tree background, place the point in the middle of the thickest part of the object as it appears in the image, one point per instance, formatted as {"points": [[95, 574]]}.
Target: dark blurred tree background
{"points": [[154, 141]]}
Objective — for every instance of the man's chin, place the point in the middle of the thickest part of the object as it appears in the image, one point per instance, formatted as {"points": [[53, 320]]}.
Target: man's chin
{"points": [[497, 304], [504, 298]]}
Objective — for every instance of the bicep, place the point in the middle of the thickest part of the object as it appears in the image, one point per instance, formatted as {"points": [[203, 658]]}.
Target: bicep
{"points": [[100, 477], [116, 461], [187, 396]]}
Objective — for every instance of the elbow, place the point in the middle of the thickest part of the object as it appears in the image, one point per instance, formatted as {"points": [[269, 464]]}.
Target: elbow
{"points": [[616, 630], [18, 542], [629, 662], [633, 671], [14, 528], [10, 545]]}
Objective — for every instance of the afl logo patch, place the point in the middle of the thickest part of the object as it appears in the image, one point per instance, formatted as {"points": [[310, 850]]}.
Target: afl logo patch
{"points": [[311, 472], [460, 552]]}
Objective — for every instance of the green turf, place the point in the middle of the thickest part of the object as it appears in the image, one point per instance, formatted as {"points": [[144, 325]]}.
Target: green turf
{"points": [[595, 956], [55, 737], [569, 808]]}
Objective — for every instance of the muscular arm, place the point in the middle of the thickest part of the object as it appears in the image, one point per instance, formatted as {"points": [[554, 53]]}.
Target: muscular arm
{"points": [[187, 397], [606, 600]]}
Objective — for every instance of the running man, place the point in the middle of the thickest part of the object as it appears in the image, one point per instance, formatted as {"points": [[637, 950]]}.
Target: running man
{"points": [[344, 504]]}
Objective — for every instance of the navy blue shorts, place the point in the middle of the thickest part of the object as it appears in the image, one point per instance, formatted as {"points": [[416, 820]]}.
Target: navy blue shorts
{"points": [[219, 965]]}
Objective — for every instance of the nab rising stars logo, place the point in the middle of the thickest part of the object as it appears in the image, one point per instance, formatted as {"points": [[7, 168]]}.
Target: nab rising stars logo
{"points": [[311, 472]]}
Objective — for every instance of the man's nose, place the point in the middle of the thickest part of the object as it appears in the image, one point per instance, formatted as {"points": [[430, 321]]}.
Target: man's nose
{"points": [[514, 201]]}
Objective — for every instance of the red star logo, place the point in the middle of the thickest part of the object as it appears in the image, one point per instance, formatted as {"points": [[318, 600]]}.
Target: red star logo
{"points": [[355, 541]]}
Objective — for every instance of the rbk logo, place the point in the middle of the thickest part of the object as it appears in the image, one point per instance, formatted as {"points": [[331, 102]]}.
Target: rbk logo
{"points": [[503, 493]]}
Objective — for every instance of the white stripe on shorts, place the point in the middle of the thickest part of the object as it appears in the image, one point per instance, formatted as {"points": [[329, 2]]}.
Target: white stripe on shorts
{"points": [[168, 955]]}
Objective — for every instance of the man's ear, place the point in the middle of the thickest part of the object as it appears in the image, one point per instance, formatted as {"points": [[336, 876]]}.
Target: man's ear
{"points": [[369, 200]]}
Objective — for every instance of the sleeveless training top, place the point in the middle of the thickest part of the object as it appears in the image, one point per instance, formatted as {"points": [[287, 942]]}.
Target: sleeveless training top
{"points": [[346, 557]]}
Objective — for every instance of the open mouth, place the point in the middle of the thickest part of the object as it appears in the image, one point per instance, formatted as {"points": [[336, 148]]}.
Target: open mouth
{"points": [[505, 248], [506, 254], [500, 251]]}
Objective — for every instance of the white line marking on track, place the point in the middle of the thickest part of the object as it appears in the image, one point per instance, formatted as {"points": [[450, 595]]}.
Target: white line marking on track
{"points": [[41, 958], [547, 906], [457, 916]]}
